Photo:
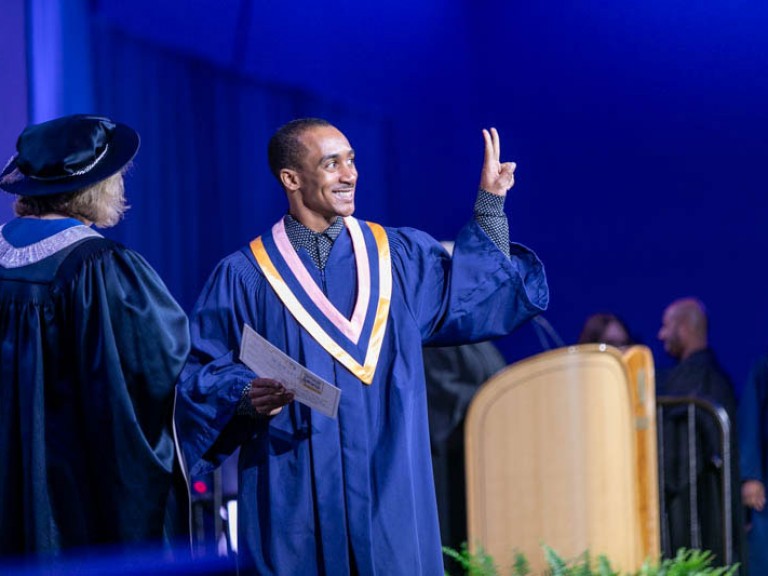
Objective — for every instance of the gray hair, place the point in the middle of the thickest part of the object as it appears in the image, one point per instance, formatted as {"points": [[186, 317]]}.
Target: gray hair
{"points": [[102, 203]]}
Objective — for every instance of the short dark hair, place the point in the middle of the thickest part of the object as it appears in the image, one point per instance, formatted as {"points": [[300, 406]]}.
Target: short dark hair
{"points": [[595, 326], [285, 149]]}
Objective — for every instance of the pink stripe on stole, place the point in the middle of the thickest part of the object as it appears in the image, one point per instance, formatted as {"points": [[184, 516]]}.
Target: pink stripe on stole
{"points": [[350, 328]]}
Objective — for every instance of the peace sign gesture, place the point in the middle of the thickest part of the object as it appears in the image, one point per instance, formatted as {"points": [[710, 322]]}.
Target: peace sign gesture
{"points": [[496, 177]]}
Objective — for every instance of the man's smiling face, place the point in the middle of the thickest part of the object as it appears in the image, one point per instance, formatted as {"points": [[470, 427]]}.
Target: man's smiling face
{"points": [[324, 185]]}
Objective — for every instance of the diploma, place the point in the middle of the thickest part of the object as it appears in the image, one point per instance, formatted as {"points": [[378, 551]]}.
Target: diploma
{"points": [[267, 361]]}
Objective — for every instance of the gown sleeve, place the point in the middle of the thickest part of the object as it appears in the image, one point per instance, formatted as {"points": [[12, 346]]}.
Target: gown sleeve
{"points": [[130, 339], [478, 293], [212, 381]]}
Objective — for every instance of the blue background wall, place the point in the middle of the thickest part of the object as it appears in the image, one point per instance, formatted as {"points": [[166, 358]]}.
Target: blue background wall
{"points": [[640, 132], [13, 79]]}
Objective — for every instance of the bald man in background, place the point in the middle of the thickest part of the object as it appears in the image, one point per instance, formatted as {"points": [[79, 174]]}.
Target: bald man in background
{"points": [[684, 332]]}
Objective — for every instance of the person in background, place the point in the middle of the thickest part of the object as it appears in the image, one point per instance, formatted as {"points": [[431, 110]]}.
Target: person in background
{"points": [[684, 332], [605, 328], [353, 302], [453, 375], [92, 342], [753, 451]]}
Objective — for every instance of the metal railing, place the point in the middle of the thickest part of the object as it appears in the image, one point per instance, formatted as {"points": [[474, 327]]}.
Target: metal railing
{"points": [[721, 419]]}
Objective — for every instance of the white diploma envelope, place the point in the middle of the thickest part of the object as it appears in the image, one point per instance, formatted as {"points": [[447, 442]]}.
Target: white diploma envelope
{"points": [[267, 361]]}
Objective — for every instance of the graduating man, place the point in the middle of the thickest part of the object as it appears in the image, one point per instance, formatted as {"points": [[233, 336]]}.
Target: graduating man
{"points": [[353, 302]]}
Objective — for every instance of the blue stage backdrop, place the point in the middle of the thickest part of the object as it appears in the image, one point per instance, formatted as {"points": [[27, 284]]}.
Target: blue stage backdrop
{"points": [[639, 132], [13, 78]]}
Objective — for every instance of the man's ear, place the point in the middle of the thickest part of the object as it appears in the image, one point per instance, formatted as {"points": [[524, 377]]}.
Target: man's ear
{"points": [[290, 179]]}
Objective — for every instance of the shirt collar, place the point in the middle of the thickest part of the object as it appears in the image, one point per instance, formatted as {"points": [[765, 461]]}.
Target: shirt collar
{"points": [[302, 237]]}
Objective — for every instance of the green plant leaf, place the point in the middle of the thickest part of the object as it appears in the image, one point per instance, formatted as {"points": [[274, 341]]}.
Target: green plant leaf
{"points": [[686, 562]]}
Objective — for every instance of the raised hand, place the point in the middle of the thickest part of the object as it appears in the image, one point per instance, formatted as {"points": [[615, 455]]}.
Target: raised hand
{"points": [[496, 177]]}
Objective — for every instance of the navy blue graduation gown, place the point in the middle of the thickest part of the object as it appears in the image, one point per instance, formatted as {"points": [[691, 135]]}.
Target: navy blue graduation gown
{"points": [[92, 343], [354, 494]]}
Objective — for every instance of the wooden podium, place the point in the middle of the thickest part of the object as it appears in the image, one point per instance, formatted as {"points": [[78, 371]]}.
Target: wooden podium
{"points": [[561, 450]]}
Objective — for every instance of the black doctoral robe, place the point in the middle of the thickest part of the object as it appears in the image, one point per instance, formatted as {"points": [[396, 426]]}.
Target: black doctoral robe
{"points": [[91, 344], [454, 374]]}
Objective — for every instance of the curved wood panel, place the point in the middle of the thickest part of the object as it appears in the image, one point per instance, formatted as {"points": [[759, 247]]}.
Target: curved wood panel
{"points": [[551, 459], [642, 387]]}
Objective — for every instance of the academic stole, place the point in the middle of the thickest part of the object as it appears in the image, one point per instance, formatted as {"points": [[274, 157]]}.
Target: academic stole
{"points": [[355, 342]]}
